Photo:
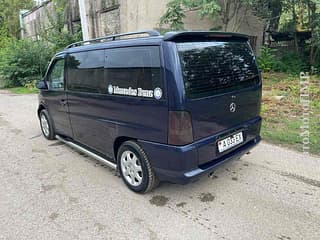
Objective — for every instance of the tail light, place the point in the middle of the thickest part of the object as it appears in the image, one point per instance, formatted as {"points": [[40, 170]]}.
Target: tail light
{"points": [[180, 128]]}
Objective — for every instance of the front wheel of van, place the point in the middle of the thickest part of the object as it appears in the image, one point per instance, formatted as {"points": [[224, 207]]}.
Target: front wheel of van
{"points": [[135, 168], [46, 125]]}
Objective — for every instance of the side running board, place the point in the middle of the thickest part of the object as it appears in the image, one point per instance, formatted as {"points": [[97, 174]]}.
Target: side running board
{"points": [[87, 152]]}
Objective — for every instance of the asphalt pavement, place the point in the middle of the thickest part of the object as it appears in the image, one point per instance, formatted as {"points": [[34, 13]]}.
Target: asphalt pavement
{"points": [[50, 191]]}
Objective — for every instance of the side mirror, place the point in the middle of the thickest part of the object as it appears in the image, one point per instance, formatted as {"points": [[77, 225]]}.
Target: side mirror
{"points": [[41, 85]]}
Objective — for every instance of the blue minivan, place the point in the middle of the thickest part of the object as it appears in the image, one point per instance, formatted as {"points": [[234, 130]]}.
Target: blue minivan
{"points": [[156, 108]]}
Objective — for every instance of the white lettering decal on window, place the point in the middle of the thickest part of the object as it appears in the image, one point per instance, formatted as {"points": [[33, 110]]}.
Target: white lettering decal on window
{"points": [[156, 93]]}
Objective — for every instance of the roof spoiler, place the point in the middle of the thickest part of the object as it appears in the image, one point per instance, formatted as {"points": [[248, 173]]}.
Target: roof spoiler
{"points": [[193, 35]]}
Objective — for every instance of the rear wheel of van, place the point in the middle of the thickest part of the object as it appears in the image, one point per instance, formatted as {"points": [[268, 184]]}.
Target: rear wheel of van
{"points": [[135, 168], [46, 125]]}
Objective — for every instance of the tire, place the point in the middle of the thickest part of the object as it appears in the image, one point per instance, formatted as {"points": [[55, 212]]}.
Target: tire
{"points": [[46, 125], [135, 168]]}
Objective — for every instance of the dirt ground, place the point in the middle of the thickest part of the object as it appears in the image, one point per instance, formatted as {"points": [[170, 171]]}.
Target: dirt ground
{"points": [[50, 191]]}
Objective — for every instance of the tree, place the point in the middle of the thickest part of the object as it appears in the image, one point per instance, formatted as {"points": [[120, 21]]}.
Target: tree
{"points": [[314, 18], [23, 61], [270, 11], [9, 15], [305, 17], [55, 33], [231, 12]]}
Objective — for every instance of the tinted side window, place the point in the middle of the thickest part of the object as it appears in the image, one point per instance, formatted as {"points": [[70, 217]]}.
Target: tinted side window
{"points": [[55, 78], [133, 67], [86, 72]]}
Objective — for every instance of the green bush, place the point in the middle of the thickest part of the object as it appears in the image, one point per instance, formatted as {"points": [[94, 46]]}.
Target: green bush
{"points": [[23, 61], [277, 61], [59, 40], [267, 60], [316, 67], [292, 62]]}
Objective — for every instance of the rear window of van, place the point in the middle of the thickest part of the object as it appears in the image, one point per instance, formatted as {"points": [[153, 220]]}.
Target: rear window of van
{"points": [[210, 68]]}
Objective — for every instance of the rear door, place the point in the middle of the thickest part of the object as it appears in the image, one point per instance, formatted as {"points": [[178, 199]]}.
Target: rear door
{"points": [[222, 84]]}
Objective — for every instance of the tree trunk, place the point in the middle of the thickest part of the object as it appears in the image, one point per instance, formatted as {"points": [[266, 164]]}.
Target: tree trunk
{"points": [[276, 11], [314, 50], [235, 15], [294, 17], [225, 18], [69, 18]]}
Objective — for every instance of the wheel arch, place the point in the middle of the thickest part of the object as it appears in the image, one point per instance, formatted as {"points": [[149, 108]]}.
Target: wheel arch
{"points": [[40, 108], [117, 143]]}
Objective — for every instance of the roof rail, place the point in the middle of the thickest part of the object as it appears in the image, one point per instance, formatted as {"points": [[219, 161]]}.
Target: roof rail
{"points": [[151, 33]]}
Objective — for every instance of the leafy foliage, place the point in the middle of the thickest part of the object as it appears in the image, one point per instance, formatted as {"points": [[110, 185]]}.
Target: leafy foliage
{"points": [[55, 33], [270, 60], [267, 60], [3, 36], [292, 62], [173, 16], [9, 15], [176, 10], [315, 39], [23, 61], [59, 40]]}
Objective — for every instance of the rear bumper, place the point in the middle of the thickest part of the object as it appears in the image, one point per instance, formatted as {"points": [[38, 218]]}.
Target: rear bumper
{"points": [[183, 164], [236, 154]]}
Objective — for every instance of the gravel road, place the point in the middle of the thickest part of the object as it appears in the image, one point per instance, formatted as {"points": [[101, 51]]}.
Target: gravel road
{"points": [[50, 191]]}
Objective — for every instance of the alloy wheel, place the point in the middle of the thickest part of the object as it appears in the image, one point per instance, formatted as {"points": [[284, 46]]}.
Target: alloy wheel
{"points": [[131, 168]]}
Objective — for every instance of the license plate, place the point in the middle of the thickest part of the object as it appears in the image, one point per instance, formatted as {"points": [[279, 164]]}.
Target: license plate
{"points": [[230, 142]]}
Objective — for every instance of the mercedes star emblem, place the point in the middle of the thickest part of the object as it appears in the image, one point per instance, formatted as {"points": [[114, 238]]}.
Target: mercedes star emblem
{"points": [[233, 107]]}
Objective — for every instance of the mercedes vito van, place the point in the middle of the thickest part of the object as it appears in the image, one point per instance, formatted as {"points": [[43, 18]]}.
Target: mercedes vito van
{"points": [[156, 108]]}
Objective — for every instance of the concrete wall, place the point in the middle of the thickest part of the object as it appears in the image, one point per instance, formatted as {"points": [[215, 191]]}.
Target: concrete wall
{"points": [[112, 16], [115, 16], [103, 17], [146, 14], [37, 19]]}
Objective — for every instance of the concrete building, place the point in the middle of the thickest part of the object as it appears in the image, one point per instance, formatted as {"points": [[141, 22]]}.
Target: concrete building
{"points": [[114, 16], [38, 18]]}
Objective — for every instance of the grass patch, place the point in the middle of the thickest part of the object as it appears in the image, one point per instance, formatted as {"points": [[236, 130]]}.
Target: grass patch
{"points": [[23, 90], [282, 113]]}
